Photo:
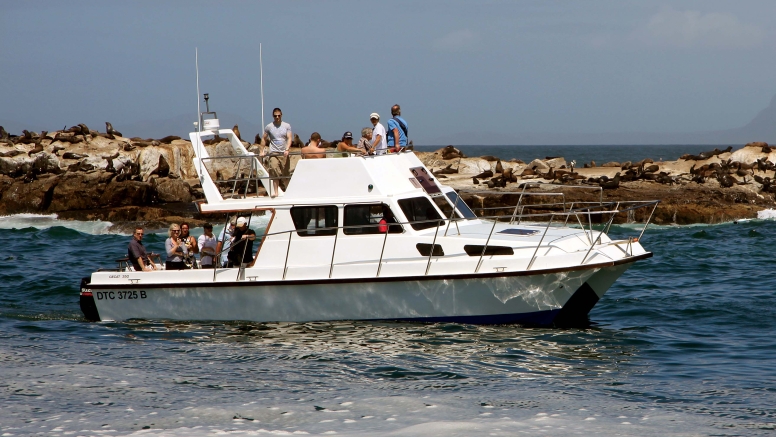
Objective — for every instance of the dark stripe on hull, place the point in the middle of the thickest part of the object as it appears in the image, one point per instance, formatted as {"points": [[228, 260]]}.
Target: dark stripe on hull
{"points": [[574, 313], [538, 318]]}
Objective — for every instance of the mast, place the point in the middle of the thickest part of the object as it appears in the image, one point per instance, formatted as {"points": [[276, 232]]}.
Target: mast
{"points": [[199, 114], [261, 81]]}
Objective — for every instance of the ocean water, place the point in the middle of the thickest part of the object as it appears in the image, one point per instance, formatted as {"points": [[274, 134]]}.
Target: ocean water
{"points": [[584, 154], [683, 344]]}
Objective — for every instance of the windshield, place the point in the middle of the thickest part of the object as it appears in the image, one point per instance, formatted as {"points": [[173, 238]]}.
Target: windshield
{"points": [[461, 206], [419, 209]]}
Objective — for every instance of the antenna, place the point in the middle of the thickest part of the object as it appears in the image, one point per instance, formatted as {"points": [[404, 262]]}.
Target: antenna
{"points": [[261, 80], [199, 115]]}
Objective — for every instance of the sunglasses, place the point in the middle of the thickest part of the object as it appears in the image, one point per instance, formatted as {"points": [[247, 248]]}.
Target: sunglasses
{"points": [[139, 233], [277, 115], [176, 230]]}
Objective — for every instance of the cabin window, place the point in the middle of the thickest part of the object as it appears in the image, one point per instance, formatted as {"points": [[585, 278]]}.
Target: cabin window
{"points": [[311, 220], [444, 206], [461, 206], [368, 217], [476, 250], [419, 209]]}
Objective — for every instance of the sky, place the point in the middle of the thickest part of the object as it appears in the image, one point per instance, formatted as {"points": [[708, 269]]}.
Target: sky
{"points": [[486, 67]]}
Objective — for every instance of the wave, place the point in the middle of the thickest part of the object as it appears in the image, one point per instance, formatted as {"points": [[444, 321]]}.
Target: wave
{"points": [[45, 221], [96, 227]]}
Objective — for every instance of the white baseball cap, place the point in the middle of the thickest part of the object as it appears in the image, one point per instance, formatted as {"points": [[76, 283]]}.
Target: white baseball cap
{"points": [[374, 115], [241, 221]]}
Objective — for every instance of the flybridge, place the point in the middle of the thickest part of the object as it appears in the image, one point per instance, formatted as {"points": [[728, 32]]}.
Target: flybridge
{"points": [[237, 176]]}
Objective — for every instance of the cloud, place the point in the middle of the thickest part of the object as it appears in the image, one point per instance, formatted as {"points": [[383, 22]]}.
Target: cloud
{"points": [[683, 29], [458, 41]]}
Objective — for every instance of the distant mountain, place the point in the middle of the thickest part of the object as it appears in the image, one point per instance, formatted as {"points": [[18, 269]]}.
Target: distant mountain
{"points": [[761, 128]]}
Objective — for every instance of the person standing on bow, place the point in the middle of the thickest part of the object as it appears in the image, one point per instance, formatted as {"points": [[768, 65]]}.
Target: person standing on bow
{"points": [[379, 145], [397, 130], [279, 138]]}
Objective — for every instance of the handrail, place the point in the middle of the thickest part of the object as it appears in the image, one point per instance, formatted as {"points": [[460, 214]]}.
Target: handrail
{"points": [[433, 246], [594, 209]]}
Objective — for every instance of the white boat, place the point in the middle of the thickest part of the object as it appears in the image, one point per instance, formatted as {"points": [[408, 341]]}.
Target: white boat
{"points": [[325, 255]]}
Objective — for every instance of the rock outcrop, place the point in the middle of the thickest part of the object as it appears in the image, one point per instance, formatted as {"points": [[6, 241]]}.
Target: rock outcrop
{"points": [[84, 174]]}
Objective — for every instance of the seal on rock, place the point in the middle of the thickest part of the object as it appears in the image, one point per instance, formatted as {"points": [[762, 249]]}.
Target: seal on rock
{"points": [[110, 131], [166, 140], [85, 131]]}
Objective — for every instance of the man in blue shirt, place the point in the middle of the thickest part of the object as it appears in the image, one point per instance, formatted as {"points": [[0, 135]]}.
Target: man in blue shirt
{"points": [[397, 130]]}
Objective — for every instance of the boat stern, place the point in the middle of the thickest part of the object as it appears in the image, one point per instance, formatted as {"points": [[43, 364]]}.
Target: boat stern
{"points": [[88, 307]]}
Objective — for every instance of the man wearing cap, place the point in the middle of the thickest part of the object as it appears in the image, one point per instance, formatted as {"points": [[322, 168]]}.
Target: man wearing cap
{"points": [[207, 247], [346, 145], [397, 127], [242, 244], [279, 137], [378, 135]]}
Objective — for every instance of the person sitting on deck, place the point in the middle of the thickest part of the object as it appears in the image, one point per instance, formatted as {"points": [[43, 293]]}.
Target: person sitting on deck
{"points": [[313, 149], [176, 249], [346, 145], [365, 143], [137, 253]]}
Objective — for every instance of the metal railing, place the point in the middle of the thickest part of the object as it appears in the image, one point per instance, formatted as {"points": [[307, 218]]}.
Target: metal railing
{"points": [[254, 173], [608, 210], [589, 211]]}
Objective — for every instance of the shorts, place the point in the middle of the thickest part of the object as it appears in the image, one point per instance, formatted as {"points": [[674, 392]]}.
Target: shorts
{"points": [[279, 166]]}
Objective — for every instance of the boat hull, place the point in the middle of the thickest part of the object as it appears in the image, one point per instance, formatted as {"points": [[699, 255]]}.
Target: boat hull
{"points": [[561, 298]]}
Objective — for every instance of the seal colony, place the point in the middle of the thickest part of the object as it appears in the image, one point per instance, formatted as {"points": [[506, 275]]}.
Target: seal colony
{"points": [[80, 173]]}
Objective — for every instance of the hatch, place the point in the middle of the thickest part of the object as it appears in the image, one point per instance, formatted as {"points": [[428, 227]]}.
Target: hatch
{"points": [[426, 181]]}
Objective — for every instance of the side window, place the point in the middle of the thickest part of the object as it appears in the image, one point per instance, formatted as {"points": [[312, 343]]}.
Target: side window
{"points": [[419, 209], [368, 218], [309, 220]]}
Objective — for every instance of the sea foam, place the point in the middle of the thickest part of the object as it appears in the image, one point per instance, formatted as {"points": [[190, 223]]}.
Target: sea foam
{"points": [[45, 221]]}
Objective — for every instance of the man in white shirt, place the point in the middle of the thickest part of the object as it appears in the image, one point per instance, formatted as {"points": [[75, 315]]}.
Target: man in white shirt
{"points": [[379, 143], [225, 241], [207, 247]]}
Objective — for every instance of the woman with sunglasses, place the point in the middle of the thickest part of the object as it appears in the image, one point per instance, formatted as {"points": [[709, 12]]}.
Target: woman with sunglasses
{"points": [[176, 249]]}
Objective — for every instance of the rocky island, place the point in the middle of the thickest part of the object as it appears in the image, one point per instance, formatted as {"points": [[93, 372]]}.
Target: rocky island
{"points": [[83, 174]]}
